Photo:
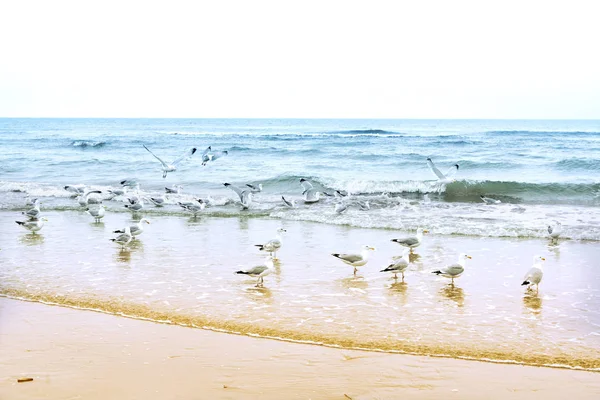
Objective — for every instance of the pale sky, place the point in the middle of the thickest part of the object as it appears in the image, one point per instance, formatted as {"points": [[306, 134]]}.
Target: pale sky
{"points": [[304, 59]]}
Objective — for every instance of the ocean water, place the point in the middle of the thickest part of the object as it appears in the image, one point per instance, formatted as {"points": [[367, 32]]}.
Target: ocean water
{"points": [[181, 269]]}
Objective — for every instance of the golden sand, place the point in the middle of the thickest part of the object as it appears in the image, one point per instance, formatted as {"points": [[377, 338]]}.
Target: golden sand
{"points": [[81, 354]]}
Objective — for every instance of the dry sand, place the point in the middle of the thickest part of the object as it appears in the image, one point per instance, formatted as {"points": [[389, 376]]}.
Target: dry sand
{"points": [[75, 354]]}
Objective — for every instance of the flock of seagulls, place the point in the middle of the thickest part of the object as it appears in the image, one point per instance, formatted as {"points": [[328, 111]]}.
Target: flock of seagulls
{"points": [[92, 203]]}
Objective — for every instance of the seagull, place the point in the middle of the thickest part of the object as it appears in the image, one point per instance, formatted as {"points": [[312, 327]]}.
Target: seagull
{"points": [[412, 241], [173, 166], [193, 207], [254, 188], [454, 270], [273, 245], [489, 200], [33, 213], [75, 189], [123, 238], [29, 202], [117, 192], [33, 225], [245, 195], [135, 206], [210, 155], [535, 274], [97, 212], [259, 271], [355, 260], [157, 201], [399, 266], [555, 231], [441, 177], [130, 183], [135, 229], [311, 195], [291, 204], [176, 189], [340, 208], [85, 199]]}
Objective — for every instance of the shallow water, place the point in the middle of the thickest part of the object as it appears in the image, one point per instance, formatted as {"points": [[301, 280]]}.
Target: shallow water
{"points": [[182, 270]]}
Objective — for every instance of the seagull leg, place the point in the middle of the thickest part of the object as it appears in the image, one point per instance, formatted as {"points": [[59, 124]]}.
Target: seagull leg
{"points": [[395, 276], [355, 269], [403, 277]]}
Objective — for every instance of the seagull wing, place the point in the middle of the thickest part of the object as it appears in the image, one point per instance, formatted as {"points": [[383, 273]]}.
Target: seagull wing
{"points": [[184, 156], [434, 169], [350, 257], [306, 185], [452, 171], [236, 189], [155, 156]]}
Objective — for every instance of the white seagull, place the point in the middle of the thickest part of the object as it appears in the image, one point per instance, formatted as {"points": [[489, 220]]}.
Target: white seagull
{"points": [[489, 200], [245, 195], [453, 270], [535, 274], [448, 177], [135, 229], [192, 207], [355, 260], [273, 245], [33, 225], [97, 212], [399, 266], [412, 241], [172, 166], [311, 195], [85, 199], [210, 155], [555, 231], [259, 271], [124, 238]]}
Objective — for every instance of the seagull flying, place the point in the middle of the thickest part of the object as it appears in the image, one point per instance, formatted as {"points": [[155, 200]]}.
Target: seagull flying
{"points": [[172, 166]]}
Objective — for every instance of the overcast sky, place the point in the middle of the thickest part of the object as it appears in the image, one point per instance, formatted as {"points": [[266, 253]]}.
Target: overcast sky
{"points": [[309, 59]]}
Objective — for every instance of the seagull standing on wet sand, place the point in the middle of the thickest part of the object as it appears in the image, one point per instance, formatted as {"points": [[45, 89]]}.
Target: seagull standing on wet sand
{"points": [[412, 241], [33, 225], [535, 274], [399, 266], [259, 271], [135, 229], [454, 270], [273, 245], [124, 238], [355, 260]]}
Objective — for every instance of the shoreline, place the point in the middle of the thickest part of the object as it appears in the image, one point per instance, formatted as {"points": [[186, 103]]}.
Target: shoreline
{"points": [[72, 353], [291, 340]]}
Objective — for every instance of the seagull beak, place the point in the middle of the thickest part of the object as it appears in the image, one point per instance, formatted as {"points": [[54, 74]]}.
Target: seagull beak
{"points": [[425, 231], [469, 257], [371, 248], [543, 259]]}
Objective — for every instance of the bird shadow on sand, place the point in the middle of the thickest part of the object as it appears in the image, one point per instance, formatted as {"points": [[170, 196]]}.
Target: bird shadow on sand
{"points": [[453, 293], [532, 301], [32, 239]]}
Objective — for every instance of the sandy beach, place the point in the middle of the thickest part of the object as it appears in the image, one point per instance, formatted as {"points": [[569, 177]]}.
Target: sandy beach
{"points": [[75, 354]]}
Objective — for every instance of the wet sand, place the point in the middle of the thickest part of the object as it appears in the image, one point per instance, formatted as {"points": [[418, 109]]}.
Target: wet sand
{"points": [[182, 271], [74, 354]]}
